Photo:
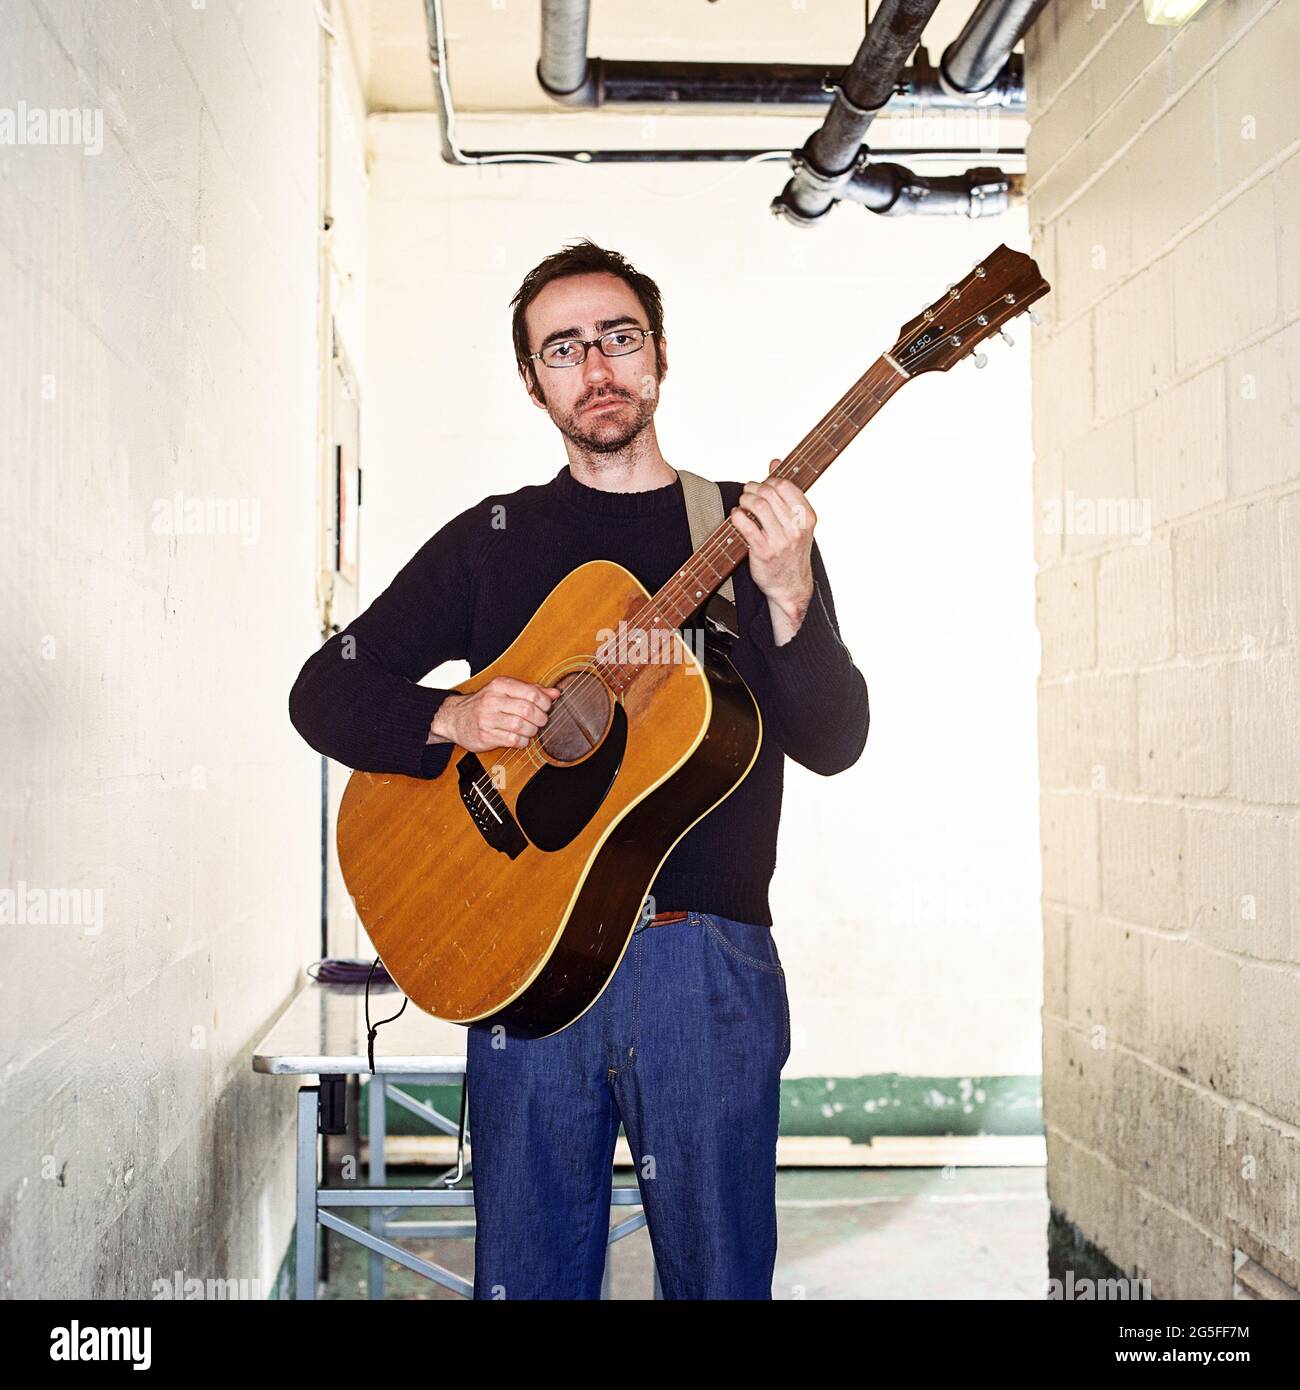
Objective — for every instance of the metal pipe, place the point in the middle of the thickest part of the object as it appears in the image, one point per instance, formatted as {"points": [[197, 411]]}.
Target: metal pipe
{"points": [[563, 69], [973, 60], [921, 85], [569, 75], [633, 82], [893, 191], [889, 189], [830, 155], [624, 82]]}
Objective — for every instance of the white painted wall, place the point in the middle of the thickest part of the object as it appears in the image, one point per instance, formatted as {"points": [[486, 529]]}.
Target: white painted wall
{"points": [[906, 893], [160, 340]]}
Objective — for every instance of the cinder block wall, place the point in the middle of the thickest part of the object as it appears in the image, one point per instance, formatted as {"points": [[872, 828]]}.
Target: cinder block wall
{"points": [[158, 544], [1164, 200]]}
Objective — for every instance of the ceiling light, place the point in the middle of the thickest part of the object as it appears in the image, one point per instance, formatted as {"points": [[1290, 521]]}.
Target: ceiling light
{"points": [[1170, 11]]}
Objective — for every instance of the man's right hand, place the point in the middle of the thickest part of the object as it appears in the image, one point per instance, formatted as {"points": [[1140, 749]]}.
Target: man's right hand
{"points": [[506, 713]]}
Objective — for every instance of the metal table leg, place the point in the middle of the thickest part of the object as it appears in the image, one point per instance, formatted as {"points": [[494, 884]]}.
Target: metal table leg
{"points": [[305, 1272], [378, 1092]]}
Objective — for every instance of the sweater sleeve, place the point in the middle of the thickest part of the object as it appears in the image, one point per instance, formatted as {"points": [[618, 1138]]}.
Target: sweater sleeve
{"points": [[810, 689], [357, 699]]}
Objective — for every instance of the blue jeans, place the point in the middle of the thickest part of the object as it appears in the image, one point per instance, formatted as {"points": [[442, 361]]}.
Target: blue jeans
{"points": [[685, 1047]]}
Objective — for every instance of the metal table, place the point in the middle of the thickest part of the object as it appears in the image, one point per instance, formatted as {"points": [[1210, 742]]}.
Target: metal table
{"points": [[323, 1033]]}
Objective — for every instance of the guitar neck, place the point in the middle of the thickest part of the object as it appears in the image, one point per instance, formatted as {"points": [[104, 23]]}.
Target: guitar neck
{"points": [[807, 461]]}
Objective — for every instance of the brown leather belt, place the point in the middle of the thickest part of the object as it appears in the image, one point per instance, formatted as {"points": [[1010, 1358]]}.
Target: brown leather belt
{"points": [[660, 918]]}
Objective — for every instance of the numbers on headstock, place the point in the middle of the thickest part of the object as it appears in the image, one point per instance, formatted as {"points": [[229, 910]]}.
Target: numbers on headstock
{"points": [[1000, 288]]}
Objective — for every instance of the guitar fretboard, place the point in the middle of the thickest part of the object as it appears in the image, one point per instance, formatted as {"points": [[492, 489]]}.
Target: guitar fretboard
{"points": [[725, 548]]}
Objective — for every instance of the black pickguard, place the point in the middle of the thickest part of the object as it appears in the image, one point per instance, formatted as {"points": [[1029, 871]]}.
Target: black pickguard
{"points": [[559, 801]]}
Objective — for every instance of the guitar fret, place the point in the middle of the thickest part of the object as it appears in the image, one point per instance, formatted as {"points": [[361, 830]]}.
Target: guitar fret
{"points": [[720, 554], [829, 442]]}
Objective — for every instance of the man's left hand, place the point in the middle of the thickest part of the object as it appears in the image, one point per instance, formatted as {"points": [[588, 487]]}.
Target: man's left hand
{"points": [[777, 520]]}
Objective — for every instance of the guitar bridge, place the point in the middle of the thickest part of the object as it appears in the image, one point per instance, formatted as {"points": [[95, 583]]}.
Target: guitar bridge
{"points": [[487, 808]]}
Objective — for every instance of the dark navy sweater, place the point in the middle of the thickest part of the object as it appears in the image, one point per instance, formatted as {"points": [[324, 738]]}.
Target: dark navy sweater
{"points": [[471, 589]]}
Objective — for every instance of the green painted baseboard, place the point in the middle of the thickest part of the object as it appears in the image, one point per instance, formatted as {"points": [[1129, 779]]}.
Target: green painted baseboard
{"points": [[853, 1107], [861, 1107]]}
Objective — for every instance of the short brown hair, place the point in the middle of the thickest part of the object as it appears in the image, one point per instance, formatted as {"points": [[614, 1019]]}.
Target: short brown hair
{"points": [[582, 257]]}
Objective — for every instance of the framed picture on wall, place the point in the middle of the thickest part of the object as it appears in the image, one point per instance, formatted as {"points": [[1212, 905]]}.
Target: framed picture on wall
{"points": [[345, 417]]}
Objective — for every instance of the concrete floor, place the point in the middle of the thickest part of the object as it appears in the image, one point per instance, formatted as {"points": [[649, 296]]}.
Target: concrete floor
{"points": [[959, 1233]]}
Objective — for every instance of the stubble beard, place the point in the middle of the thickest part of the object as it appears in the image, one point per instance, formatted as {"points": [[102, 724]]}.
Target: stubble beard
{"points": [[600, 434]]}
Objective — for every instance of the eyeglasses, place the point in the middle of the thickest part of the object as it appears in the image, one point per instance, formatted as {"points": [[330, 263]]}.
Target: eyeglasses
{"points": [[572, 352]]}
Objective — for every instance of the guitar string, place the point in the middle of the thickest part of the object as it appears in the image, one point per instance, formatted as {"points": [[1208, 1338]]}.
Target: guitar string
{"points": [[589, 677], [862, 388], [861, 391]]}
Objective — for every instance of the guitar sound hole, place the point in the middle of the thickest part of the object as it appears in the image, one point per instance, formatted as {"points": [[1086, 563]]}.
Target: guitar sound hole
{"points": [[579, 718]]}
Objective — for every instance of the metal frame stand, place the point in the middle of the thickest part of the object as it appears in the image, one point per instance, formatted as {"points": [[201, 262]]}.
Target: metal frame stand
{"points": [[317, 1206]]}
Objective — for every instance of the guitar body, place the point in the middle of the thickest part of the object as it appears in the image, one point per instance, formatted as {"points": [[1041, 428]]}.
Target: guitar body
{"points": [[507, 888]]}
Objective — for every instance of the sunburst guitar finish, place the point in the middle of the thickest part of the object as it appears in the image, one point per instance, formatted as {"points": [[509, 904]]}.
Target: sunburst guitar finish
{"points": [[507, 888]]}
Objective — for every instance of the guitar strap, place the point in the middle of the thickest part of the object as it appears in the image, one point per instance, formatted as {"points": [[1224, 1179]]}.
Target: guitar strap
{"points": [[705, 513]]}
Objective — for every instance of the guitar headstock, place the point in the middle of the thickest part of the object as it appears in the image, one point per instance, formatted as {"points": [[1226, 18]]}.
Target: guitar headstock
{"points": [[1000, 288]]}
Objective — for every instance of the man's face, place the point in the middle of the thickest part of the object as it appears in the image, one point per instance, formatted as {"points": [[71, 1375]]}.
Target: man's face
{"points": [[605, 402]]}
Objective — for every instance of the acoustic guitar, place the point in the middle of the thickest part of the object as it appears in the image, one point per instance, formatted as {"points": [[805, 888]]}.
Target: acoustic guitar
{"points": [[507, 888]]}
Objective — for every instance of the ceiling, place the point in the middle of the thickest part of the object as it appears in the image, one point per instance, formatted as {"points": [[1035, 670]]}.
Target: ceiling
{"points": [[492, 50]]}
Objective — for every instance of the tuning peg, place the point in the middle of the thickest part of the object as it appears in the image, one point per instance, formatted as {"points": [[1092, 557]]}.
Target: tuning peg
{"points": [[1035, 316], [980, 360], [1006, 338]]}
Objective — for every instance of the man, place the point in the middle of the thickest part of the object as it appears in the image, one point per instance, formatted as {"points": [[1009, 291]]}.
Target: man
{"points": [[686, 1044]]}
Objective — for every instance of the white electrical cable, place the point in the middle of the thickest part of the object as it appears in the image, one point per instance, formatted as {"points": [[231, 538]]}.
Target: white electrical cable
{"points": [[541, 158]]}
